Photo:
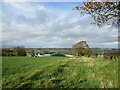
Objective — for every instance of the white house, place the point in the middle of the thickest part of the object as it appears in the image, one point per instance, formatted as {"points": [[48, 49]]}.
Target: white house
{"points": [[44, 55], [38, 55]]}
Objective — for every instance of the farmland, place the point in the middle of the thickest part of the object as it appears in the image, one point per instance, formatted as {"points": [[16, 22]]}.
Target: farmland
{"points": [[59, 72]]}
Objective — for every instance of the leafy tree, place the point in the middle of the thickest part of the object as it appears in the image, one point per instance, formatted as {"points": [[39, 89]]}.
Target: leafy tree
{"points": [[16, 51], [19, 51], [81, 49], [101, 12], [6, 52]]}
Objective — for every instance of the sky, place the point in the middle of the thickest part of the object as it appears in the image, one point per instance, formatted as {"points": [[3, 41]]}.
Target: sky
{"points": [[51, 25]]}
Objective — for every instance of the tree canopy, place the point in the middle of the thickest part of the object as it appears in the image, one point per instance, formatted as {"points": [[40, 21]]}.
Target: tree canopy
{"points": [[19, 51], [15, 51], [101, 12], [81, 49]]}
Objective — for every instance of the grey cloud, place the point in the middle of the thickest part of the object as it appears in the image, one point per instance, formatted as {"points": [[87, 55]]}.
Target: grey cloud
{"points": [[49, 28]]}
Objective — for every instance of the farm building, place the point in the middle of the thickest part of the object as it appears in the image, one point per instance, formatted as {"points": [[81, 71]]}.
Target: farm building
{"points": [[69, 55], [57, 54]]}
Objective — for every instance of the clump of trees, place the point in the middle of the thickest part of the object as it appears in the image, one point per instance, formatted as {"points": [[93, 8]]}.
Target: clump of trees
{"points": [[16, 51], [111, 56], [7, 52], [81, 49]]}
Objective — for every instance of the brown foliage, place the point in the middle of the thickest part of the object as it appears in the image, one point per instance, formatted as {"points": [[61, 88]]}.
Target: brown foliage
{"points": [[101, 11], [81, 49]]}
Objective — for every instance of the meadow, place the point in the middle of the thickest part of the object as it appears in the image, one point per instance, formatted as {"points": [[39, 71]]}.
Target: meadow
{"points": [[59, 72]]}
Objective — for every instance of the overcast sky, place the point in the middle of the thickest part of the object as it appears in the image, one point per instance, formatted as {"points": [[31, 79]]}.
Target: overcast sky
{"points": [[52, 25]]}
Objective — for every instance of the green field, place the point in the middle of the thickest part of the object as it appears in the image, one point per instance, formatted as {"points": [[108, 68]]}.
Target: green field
{"points": [[59, 72]]}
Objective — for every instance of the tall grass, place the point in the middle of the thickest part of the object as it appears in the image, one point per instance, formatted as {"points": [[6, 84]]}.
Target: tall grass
{"points": [[59, 72]]}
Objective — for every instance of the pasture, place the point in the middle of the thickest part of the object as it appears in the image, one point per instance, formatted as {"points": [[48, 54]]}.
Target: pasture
{"points": [[59, 72]]}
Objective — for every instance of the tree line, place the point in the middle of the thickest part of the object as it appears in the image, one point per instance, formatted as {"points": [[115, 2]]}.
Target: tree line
{"points": [[15, 51]]}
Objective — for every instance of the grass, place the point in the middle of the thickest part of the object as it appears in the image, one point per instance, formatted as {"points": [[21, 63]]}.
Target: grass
{"points": [[59, 72]]}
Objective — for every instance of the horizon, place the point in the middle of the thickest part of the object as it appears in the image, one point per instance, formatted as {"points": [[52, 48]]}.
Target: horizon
{"points": [[60, 48]]}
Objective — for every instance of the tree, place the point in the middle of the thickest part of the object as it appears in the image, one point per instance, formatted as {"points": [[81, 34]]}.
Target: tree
{"points": [[19, 51], [81, 49], [5, 52], [101, 12]]}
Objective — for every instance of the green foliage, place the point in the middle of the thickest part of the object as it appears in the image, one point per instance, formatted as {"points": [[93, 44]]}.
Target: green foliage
{"points": [[16, 51], [59, 72], [81, 49], [31, 52], [19, 51], [6, 52]]}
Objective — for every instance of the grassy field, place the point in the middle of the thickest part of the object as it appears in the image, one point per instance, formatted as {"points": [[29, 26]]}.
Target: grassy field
{"points": [[59, 72]]}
